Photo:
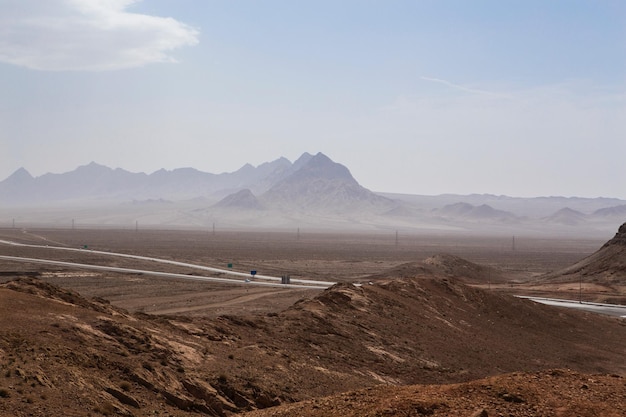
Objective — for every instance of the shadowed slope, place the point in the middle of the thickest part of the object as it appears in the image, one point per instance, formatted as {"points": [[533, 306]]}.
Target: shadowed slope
{"points": [[551, 393], [606, 266], [324, 186], [63, 354]]}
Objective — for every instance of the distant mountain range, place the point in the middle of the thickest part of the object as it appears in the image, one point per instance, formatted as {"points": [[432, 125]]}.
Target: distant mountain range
{"points": [[313, 191], [98, 182]]}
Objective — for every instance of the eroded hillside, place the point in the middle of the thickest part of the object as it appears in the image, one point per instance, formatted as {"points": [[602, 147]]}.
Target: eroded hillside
{"points": [[602, 273], [557, 393], [62, 354]]}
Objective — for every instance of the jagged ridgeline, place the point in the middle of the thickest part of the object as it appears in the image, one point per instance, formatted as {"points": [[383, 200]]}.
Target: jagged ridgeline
{"points": [[313, 191]]}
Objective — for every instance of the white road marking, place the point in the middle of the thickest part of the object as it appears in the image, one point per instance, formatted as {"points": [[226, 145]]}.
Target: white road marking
{"points": [[297, 283]]}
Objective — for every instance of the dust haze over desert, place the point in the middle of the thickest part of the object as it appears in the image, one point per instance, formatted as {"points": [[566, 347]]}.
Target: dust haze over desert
{"points": [[133, 294], [312, 193], [312, 209]]}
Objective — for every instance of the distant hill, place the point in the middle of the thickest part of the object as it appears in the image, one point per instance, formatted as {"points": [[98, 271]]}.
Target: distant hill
{"points": [[566, 216], [466, 271], [17, 187], [482, 212], [535, 207], [612, 212], [243, 199], [448, 266]]}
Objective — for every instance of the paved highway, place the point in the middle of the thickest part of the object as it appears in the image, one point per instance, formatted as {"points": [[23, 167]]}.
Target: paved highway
{"points": [[608, 309], [273, 281]]}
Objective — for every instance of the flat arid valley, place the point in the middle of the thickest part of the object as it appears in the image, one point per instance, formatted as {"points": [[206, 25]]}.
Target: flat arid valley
{"points": [[398, 324], [346, 208], [288, 289]]}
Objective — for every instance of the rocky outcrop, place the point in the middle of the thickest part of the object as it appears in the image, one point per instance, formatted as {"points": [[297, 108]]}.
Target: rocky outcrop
{"points": [[606, 266], [619, 238]]}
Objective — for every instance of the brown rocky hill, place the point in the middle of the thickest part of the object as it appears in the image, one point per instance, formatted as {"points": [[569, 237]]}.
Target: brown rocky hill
{"points": [[548, 393], [445, 265], [62, 354], [605, 266], [468, 272], [436, 330]]}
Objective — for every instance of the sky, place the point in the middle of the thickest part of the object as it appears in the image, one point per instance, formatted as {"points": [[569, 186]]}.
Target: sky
{"points": [[523, 98]]}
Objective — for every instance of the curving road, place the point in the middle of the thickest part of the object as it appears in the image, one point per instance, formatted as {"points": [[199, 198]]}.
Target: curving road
{"points": [[608, 309], [273, 281]]}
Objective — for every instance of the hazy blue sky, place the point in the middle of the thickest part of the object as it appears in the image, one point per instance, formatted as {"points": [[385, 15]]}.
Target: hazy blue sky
{"points": [[524, 98]]}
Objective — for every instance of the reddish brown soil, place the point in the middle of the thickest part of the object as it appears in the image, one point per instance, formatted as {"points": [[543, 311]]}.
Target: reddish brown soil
{"points": [[555, 393], [239, 349], [332, 257]]}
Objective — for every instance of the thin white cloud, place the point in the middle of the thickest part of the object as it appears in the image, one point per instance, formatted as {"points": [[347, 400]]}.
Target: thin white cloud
{"points": [[463, 88], [86, 35]]}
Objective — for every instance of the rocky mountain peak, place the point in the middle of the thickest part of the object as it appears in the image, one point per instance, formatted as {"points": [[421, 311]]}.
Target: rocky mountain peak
{"points": [[321, 166], [93, 167], [20, 176], [619, 238], [300, 162], [323, 185]]}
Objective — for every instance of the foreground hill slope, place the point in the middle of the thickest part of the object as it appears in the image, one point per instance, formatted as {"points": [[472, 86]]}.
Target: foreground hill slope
{"points": [[547, 393], [62, 354], [436, 330]]}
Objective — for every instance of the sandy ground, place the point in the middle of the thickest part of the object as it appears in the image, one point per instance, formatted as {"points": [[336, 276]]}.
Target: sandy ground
{"points": [[221, 349], [322, 256]]}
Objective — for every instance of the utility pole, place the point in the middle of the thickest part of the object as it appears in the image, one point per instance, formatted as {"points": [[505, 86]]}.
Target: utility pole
{"points": [[396, 238], [580, 289]]}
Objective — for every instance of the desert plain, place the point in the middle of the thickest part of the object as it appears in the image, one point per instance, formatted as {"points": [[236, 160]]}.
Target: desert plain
{"points": [[426, 309]]}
